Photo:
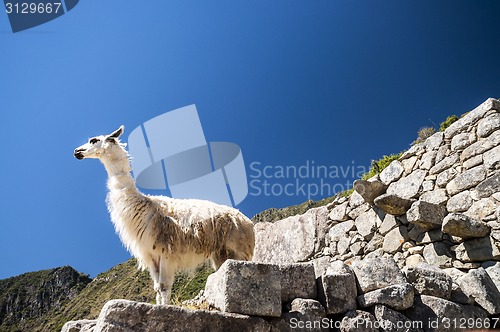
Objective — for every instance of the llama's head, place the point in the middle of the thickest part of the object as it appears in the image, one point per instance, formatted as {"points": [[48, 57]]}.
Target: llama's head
{"points": [[102, 146]]}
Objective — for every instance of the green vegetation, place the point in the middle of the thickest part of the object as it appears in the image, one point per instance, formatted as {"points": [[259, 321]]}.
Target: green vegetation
{"points": [[187, 286], [346, 193], [446, 123], [423, 134], [379, 165], [275, 214]]}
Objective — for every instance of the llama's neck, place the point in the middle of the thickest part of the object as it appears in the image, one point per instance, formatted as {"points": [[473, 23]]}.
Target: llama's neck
{"points": [[119, 177]]}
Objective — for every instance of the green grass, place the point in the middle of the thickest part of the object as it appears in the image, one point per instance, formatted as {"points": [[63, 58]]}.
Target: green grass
{"points": [[275, 214], [187, 286], [379, 165], [446, 123]]}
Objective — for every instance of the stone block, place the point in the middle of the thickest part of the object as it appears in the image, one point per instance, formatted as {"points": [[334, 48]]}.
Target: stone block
{"points": [[228, 289]]}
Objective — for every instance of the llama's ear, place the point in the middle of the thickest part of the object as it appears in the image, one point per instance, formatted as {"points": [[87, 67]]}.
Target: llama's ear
{"points": [[117, 133]]}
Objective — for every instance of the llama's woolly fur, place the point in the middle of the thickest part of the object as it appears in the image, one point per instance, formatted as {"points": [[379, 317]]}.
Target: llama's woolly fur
{"points": [[166, 234]]}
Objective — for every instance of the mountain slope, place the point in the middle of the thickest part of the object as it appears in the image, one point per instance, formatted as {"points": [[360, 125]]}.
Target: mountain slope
{"points": [[30, 296], [43, 301]]}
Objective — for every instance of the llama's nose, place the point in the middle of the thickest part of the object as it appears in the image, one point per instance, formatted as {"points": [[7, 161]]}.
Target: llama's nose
{"points": [[78, 153]]}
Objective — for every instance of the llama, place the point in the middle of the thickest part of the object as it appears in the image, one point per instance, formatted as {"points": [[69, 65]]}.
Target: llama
{"points": [[166, 235]]}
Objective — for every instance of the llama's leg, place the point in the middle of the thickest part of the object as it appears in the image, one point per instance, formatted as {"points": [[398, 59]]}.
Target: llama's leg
{"points": [[154, 272], [219, 257], [165, 281]]}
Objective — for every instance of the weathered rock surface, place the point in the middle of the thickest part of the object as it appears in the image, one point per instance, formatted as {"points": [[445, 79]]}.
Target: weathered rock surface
{"points": [[434, 142], [339, 213], [474, 161], [478, 250], [436, 313], [444, 164], [297, 281], [290, 240], [488, 125], [398, 297], [433, 235], [426, 215], [488, 187], [437, 196], [458, 295], [388, 224], [369, 190], [376, 273], [460, 202], [460, 225], [228, 288], [471, 117], [393, 241], [476, 148], [123, 315], [335, 299], [393, 204], [429, 280], [445, 177], [366, 223], [493, 270], [427, 160], [304, 315], [392, 172], [483, 209], [358, 321], [408, 186], [391, 320], [491, 158], [478, 284], [409, 164], [438, 254], [461, 141], [414, 260], [82, 325], [340, 230], [356, 200], [466, 180]]}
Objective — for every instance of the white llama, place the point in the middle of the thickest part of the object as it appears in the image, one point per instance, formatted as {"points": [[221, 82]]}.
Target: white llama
{"points": [[165, 234]]}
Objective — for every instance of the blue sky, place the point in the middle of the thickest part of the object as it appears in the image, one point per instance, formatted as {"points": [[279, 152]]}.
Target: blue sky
{"points": [[337, 83]]}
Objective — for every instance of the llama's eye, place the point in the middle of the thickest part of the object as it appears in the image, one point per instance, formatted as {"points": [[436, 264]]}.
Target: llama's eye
{"points": [[93, 140]]}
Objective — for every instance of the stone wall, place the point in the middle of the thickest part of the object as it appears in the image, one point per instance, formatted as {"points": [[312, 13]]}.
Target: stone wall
{"points": [[415, 248], [439, 204]]}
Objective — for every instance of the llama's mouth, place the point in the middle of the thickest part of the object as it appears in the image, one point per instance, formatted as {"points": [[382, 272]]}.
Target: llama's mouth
{"points": [[79, 155]]}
